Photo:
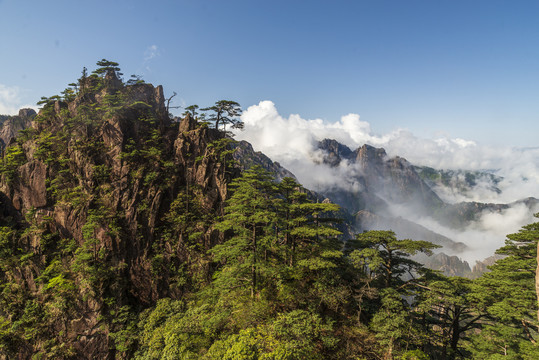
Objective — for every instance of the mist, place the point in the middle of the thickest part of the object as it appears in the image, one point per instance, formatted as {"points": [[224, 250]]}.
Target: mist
{"points": [[292, 141], [482, 237]]}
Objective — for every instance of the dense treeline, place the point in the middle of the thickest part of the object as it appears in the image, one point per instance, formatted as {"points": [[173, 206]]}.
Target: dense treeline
{"points": [[287, 288], [265, 274]]}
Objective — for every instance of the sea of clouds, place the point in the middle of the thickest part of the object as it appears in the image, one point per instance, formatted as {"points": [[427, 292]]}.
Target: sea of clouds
{"points": [[292, 141]]}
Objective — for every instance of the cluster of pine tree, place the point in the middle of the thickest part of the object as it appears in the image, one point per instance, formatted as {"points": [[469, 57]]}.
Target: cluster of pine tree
{"points": [[286, 287], [268, 276]]}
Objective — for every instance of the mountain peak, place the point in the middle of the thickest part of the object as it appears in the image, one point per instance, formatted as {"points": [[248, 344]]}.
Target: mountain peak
{"points": [[335, 152], [369, 154]]}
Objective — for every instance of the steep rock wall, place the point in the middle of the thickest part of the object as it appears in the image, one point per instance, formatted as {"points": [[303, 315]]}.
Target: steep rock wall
{"points": [[104, 173]]}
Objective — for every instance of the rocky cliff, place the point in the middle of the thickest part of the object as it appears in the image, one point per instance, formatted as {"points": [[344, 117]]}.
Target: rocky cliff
{"points": [[387, 182], [12, 125], [106, 196], [391, 189], [382, 180], [246, 157], [106, 206]]}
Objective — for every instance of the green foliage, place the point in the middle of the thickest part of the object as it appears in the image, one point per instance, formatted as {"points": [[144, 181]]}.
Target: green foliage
{"points": [[124, 330], [92, 260], [13, 158], [113, 104], [172, 331], [192, 111], [267, 277], [7, 242], [225, 112], [294, 335], [250, 218], [107, 66], [392, 323], [509, 296], [450, 308], [135, 80], [414, 355], [386, 259]]}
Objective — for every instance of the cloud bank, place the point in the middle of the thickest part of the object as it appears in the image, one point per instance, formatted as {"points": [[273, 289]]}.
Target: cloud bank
{"points": [[484, 236], [292, 142]]}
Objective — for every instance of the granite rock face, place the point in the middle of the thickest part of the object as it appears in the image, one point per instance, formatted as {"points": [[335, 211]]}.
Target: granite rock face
{"points": [[381, 180], [116, 156], [246, 157], [389, 193], [13, 124]]}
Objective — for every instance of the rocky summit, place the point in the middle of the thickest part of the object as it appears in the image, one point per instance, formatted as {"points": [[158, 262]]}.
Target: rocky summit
{"points": [[90, 184]]}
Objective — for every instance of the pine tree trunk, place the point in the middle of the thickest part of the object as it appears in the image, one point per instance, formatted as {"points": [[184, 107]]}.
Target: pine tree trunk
{"points": [[455, 332], [253, 267]]}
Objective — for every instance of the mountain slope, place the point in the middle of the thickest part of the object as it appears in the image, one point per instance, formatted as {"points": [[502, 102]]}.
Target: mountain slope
{"points": [[383, 180], [387, 182], [104, 199]]}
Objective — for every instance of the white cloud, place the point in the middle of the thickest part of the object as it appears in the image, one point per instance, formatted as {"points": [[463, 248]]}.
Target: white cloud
{"points": [[486, 234], [151, 52], [10, 100], [292, 142]]}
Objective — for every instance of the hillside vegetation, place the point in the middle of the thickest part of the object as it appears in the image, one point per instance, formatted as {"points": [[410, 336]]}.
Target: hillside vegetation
{"points": [[127, 234]]}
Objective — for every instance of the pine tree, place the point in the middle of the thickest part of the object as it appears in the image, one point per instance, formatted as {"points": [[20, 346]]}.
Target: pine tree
{"points": [[225, 112], [448, 307], [509, 294], [387, 259], [310, 248], [249, 219], [304, 224]]}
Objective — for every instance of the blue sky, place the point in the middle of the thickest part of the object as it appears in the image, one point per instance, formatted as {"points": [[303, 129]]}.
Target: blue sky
{"points": [[463, 69]]}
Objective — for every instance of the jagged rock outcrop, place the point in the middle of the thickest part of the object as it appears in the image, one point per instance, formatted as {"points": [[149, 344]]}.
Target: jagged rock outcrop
{"points": [[449, 265], [13, 124], [108, 170], [381, 180], [462, 214], [31, 191], [482, 266], [246, 157], [381, 184], [451, 183], [335, 152]]}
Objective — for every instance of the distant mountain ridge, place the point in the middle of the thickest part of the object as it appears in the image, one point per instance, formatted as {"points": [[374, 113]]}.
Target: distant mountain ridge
{"points": [[394, 180], [384, 180], [366, 210], [458, 181], [388, 182]]}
